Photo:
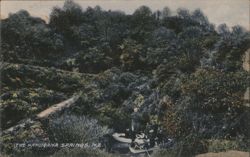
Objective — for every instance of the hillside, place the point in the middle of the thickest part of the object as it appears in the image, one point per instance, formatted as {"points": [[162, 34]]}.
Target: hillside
{"points": [[89, 73], [27, 90]]}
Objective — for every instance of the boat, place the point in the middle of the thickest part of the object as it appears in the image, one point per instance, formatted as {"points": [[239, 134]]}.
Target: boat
{"points": [[121, 137]]}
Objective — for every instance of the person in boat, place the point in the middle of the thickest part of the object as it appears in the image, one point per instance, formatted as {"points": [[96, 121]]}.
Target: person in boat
{"points": [[128, 133], [136, 119]]}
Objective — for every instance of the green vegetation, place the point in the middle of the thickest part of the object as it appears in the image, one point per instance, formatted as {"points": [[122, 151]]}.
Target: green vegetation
{"points": [[70, 129], [81, 152], [185, 75]]}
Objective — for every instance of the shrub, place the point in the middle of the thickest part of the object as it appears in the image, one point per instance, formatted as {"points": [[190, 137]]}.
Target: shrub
{"points": [[218, 145], [77, 129]]}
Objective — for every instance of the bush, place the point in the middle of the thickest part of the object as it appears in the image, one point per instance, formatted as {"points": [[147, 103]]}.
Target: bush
{"points": [[76, 129], [217, 145]]}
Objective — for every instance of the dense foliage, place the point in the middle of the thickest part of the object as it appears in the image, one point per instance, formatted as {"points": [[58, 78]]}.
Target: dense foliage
{"points": [[182, 72]]}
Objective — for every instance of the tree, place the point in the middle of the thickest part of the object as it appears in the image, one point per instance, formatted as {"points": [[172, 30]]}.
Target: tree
{"points": [[208, 105], [191, 48], [217, 94], [62, 18], [183, 13], [143, 11], [162, 35], [93, 60], [238, 31], [223, 30], [230, 48], [162, 47], [199, 17], [131, 56], [157, 15], [166, 12], [29, 38], [112, 27], [142, 23], [83, 35]]}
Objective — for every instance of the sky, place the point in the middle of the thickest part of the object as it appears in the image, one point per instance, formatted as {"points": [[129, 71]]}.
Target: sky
{"points": [[231, 12]]}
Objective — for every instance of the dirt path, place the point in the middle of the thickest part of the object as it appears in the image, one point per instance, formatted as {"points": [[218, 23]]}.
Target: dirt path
{"points": [[44, 114], [230, 153], [57, 107]]}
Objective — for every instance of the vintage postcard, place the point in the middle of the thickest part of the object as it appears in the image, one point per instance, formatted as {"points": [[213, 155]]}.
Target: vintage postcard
{"points": [[125, 78]]}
